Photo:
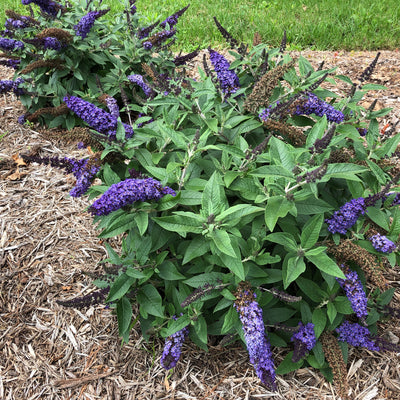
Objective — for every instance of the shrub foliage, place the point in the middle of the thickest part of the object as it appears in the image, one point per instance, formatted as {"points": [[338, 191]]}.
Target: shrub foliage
{"points": [[253, 203]]}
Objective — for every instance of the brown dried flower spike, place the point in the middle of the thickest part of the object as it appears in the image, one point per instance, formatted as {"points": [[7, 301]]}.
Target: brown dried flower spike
{"points": [[262, 90], [60, 34], [334, 356]]}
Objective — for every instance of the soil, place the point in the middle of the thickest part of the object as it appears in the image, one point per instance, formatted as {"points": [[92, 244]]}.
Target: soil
{"points": [[48, 248]]}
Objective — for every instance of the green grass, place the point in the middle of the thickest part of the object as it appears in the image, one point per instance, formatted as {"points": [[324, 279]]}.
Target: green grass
{"points": [[315, 24]]}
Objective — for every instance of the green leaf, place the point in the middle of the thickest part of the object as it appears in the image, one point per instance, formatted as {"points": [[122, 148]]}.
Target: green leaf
{"points": [[124, 317], [316, 132], [277, 207], [343, 305], [311, 230], [324, 263], [395, 225], [202, 279], [197, 247], [379, 174], [142, 221], [319, 320], [312, 206], [231, 318], [287, 365], [222, 240], [331, 311], [213, 199], [120, 134], [169, 272], [343, 170], [150, 301], [272, 170], [379, 217], [234, 264], [283, 152], [182, 222], [310, 289], [285, 239], [293, 266], [373, 86], [175, 325], [200, 326], [109, 176], [121, 224], [120, 287], [236, 120], [247, 126], [389, 146], [237, 212]]}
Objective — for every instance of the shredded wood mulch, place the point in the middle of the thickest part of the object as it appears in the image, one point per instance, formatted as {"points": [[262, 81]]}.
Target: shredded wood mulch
{"points": [[48, 246]]}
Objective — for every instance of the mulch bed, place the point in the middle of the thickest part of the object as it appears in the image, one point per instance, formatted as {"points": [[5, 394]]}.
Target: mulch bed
{"points": [[48, 245]]}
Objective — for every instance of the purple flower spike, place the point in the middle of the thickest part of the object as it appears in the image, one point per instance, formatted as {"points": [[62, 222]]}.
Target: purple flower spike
{"points": [[172, 20], [346, 216], [112, 106], [47, 6], [314, 105], [51, 43], [84, 179], [354, 291], [173, 348], [138, 79], [356, 335], [10, 44], [98, 119], [85, 24], [250, 314], [227, 78], [8, 86], [304, 340], [126, 192], [264, 114], [382, 243]]}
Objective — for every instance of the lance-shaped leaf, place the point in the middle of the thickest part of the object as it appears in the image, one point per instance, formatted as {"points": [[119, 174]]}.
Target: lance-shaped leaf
{"points": [[233, 214], [277, 207], [324, 263], [311, 230], [213, 200], [181, 222]]}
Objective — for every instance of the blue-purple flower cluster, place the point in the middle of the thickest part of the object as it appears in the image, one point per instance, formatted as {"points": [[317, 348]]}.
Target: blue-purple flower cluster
{"points": [[7, 85], [382, 243], [112, 106], [82, 169], [173, 348], [139, 80], [347, 215], [12, 24], [313, 105], [126, 192], [250, 314], [98, 119], [10, 44], [264, 114], [304, 340], [48, 6], [85, 24], [356, 335], [354, 291], [227, 78], [51, 43], [172, 20], [11, 63], [158, 39]]}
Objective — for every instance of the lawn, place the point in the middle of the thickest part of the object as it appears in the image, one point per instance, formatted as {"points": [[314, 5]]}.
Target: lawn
{"points": [[313, 24]]}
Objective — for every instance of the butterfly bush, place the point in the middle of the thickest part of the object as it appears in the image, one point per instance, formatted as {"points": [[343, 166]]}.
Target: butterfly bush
{"points": [[251, 317], [173, 348], [354, 291], [382, 243], [236, 213], [127, 192]]}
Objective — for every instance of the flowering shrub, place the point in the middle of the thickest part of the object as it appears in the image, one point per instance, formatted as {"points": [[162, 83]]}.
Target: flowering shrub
{"points": [[246, 201], [76, 49]]}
